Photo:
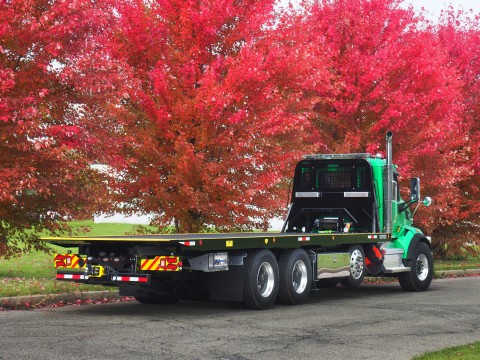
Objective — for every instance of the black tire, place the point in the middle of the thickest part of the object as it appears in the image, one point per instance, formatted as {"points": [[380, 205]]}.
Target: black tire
{"points": [[421, 273], [295, 277], [260, 284], [158, 299], [357, 268]]}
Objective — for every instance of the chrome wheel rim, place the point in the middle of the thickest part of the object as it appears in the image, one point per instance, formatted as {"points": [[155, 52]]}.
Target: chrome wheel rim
{"points": [[299, 277], [356, 264], [422, 267], [265, 279]]}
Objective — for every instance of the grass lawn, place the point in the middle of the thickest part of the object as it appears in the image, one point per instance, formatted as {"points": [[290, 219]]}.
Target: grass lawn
{"points": [[89, 228], [11, 286], [456, 264], [466, 352]]}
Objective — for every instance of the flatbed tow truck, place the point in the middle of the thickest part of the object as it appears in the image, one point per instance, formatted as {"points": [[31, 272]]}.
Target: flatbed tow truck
{"points": [[346, 220]]}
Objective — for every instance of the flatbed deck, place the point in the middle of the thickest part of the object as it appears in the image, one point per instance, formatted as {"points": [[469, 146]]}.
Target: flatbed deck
{"points": [[223, 241]]}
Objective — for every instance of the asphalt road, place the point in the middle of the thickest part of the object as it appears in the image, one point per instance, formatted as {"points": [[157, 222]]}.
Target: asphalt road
{"points": [[372, 322]]}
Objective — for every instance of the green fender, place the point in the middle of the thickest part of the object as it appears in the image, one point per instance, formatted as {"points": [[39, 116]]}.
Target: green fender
{"points": [[409, 240]]}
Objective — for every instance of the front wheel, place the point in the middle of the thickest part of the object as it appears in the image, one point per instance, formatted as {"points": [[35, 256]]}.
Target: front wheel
{"points": [[421, 272], [260, 286]]}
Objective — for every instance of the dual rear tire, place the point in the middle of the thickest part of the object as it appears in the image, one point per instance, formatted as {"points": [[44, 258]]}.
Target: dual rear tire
{"points": [[295, 277], [261, 280], [265, 279]]}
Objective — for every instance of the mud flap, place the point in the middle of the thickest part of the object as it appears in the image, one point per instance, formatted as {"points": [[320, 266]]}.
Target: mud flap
{"points": [[373, 259], [226, 285]]}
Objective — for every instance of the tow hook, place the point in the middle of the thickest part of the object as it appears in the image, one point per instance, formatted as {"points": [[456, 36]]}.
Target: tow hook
{"points": [[96, 271]]}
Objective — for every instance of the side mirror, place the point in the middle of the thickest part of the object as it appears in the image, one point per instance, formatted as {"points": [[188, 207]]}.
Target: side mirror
{"points": [[414, 190], [427, 201]]}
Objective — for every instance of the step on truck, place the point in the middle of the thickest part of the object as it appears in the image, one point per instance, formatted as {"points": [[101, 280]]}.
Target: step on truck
{"points": [[346, 220]]}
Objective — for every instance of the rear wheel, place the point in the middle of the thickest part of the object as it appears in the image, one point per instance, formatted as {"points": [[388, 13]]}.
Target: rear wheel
{"points": [[357, 268], [295, 277], [420, 275], [260, 286]]}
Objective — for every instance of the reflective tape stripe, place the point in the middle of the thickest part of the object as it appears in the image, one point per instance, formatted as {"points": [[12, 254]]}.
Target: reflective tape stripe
{"points": [[148, 264], [187, 243], [72, 277], [142, 279], [304, 238], [152, 263]]}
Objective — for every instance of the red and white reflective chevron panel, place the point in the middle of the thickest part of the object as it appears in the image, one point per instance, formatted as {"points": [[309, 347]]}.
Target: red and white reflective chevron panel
{"points": [[372, 236], [304, 238], [71, 277], [142, 279], [187, 243]]}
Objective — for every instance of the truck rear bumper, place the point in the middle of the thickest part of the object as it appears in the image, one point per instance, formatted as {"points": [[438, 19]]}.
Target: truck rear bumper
{"points": [[106, 279]]}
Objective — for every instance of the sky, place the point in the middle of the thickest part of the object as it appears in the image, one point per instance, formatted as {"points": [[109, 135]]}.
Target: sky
{"points": [[433, 7]]}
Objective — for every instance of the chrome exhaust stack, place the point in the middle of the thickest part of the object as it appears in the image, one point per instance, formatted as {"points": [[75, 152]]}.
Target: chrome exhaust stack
{"points": [[389, 193]]}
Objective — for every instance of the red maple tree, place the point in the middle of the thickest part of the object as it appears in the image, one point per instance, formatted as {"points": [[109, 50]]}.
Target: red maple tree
{"points": [[45, 146], [459, 34], [213, 112]]}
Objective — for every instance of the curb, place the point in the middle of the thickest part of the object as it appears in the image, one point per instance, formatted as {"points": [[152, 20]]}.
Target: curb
{"points": [[449, 273], [34, 301]]}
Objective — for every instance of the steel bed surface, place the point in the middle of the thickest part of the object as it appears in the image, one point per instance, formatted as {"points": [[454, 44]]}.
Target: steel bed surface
{"points": [[169, 237], [233, 241], [157, 238]]}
